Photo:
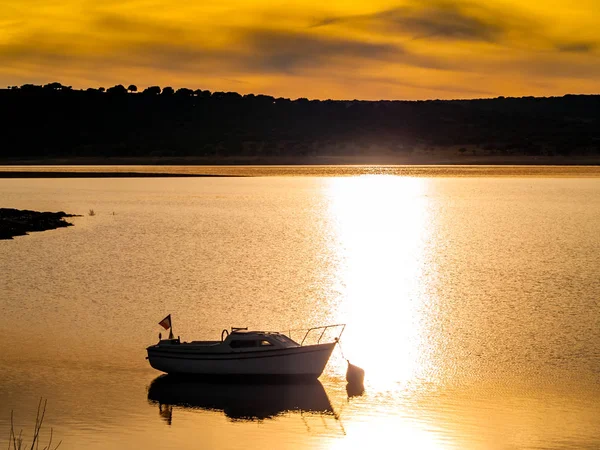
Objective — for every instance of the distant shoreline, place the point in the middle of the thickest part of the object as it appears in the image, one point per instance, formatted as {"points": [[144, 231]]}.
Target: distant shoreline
{"points": [[198, 167], [65, 174], [54, 124], [121, 171], [439, 157]]}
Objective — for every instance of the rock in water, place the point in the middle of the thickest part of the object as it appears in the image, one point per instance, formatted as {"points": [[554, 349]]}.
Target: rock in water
{"points": [[14, 222]]}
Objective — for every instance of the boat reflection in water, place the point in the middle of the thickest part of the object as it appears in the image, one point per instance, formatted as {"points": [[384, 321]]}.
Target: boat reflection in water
{"points": [[252, 401]]}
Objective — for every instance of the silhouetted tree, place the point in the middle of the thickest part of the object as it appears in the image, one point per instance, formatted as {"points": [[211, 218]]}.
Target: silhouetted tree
{"points": [[184, 92], [225, 124], [152, 90], [119, 89], [168, 91], [226, 96], [265, 98], [31, 88], [56, 86], [132, 88], [202, 94], [101, 89]]}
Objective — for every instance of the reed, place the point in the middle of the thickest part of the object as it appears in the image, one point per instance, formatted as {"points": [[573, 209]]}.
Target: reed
{"points": [[16, 442]]}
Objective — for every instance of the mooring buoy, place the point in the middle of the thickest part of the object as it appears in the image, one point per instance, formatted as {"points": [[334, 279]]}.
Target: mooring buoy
{"points": [[354, 374]]}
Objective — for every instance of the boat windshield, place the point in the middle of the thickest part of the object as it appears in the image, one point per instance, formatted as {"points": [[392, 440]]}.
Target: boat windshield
{"points": [[249, 343], [284, 340]]}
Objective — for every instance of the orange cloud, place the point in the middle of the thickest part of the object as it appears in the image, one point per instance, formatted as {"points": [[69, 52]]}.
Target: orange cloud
{"points": [[428, 49]]}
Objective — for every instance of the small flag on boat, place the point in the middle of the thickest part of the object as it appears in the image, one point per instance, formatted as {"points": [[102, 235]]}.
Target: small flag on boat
{"points": [[166, 322]]}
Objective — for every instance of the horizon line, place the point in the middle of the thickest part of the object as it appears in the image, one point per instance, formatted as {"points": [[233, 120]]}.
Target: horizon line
{"points": [[102, 90]]}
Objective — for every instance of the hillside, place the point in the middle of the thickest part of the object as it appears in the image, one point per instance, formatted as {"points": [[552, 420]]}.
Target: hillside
{"points": [[55, 122]]}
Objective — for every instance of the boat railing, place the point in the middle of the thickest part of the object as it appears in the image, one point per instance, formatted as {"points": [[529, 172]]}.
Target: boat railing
{"points": [[323, 329]]}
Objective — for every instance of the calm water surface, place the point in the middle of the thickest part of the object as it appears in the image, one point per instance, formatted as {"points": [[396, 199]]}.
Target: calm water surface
{"points": [[472, 303]]}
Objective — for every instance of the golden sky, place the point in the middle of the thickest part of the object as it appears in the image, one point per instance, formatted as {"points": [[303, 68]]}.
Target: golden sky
{"points": [[380, 49]]}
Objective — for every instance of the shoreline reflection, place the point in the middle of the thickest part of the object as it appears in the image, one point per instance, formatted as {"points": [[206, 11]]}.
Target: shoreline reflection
{"points": [[237, 401]]}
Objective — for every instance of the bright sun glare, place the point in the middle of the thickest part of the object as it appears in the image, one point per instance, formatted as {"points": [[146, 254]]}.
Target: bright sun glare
{"points": [[381, 227], [382, 235]]}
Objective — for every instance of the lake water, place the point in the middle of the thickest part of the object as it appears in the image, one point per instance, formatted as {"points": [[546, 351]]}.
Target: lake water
{"points": [[472, 301]]}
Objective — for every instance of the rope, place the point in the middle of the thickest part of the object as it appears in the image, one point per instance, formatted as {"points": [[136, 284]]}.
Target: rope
{"points": [[339, 342]]}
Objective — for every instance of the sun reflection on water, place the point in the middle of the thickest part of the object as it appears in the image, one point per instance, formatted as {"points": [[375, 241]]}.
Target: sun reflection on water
{"points": [[382, 236], [381, 225], [390, 432]]}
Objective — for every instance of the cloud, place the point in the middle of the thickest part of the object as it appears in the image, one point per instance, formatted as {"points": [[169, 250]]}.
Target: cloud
{"points": [[574, 66], [287, 51], [272, 51], [460, 23], [261, 49], [446, 88], [576, 47], [132, 28], [454, 20], [258, 49], [38, 47], [400, 82], [118, 41], [443, 20], [453, 47]]}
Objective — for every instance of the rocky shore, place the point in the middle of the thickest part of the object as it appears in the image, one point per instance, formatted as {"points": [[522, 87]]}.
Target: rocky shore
{"points": [[15, 222]]}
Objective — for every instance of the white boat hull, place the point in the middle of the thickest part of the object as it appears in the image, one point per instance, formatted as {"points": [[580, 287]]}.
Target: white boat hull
{"points": [[303, 361]]}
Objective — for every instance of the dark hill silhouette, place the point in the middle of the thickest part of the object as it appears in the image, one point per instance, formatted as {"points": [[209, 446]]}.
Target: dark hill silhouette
{"points": [[56, 121]]}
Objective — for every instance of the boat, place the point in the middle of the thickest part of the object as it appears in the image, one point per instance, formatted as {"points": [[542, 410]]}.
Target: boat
{"points": [[239, 401], [246, 354]]}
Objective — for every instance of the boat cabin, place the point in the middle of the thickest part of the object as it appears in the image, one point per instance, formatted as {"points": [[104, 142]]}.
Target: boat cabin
{"points": [[258, 340], [236, 341]]}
